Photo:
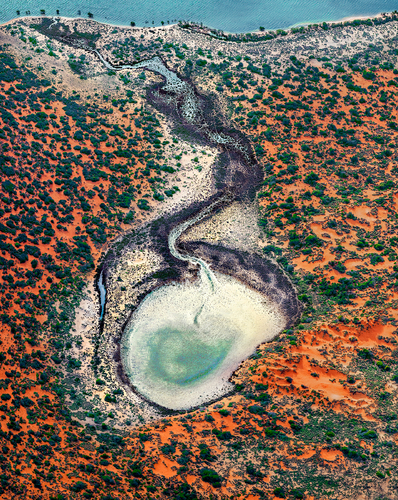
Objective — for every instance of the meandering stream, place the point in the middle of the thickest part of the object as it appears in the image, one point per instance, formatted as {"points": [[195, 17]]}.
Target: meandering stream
{"points": [[185, 339], [191, 113]]}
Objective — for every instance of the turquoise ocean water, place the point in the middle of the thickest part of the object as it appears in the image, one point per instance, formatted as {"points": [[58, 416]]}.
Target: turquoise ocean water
{"points": [[228, 15]]}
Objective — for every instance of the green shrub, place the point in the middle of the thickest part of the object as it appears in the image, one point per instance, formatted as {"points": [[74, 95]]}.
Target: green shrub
{"points": [[368, 434], [369, 75], [365, 354], [78, 486], [311, 178], [279, 492], [256, 410], [143, 204], [205, 453], [211, 476], [222, 435], [297, 493], [168, 449]]}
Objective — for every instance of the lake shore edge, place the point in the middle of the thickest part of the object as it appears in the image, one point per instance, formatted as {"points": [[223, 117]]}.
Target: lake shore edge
{"points": [[200, 27]]}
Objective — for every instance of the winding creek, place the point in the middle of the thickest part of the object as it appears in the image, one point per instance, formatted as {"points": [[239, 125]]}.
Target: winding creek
{"points": [[205, 271], [185, 338], [190, 111]]}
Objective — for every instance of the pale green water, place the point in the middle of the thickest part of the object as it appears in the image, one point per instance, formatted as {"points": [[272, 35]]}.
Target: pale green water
{"points": [[181, 357], [229, 15]]}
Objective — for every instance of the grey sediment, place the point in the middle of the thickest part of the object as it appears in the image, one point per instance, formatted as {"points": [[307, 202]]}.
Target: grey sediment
{"points": [[236, 177]]}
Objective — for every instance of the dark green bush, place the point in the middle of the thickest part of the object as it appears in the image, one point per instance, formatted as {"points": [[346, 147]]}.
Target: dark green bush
{"points": [[211, 476]]}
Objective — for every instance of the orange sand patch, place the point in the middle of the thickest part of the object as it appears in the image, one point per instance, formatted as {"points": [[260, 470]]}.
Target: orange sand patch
{"points": [[318, 229], [360, 301], [335, 391], [165, 467], [351, 263], [308, 453], [308, 349], [331, 455], [172, 431], [365, 415], [303, 263], [370, 336]]}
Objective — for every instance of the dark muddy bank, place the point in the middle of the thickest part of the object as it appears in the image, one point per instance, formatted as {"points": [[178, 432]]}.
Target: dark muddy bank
{"points": [[235, 178], [254, 271]]}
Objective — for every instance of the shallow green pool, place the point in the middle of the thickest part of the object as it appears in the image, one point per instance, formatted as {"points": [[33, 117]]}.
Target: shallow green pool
{"points": [[181, 357]]}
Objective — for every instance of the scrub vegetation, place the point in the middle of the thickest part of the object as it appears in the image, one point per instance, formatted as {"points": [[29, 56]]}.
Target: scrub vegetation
{"points": [[314, 412]]}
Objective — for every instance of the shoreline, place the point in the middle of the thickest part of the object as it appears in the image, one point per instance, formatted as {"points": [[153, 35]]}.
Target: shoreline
{"points": [[67, 18], [342, 20], [288, 29]]}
